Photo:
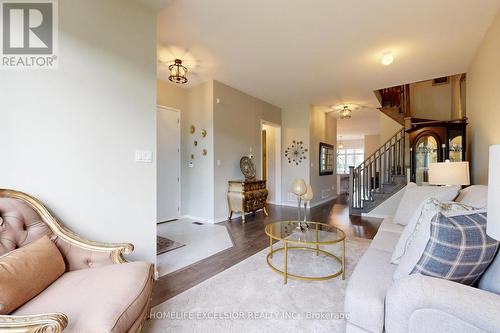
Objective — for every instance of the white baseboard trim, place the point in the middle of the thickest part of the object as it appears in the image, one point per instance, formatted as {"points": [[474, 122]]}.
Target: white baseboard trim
{"points": [[323, 201], [192, 217], [379, 216]]}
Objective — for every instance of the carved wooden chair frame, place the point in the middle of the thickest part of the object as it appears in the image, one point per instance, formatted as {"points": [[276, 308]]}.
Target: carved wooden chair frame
{"points": [[54, 322]]}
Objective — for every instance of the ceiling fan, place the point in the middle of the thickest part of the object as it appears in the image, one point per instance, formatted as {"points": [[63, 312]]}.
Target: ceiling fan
{"points": [[345, 110]]}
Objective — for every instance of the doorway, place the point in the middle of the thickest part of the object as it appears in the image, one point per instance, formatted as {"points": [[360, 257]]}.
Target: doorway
{"points": [[168, 164], [271, 160]]}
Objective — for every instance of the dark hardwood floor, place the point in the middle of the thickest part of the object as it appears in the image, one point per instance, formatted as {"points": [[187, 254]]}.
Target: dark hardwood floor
{"points": [[249, 238]]}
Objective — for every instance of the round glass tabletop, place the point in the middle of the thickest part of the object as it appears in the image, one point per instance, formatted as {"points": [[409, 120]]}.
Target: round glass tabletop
{"points": [[316, 233]]}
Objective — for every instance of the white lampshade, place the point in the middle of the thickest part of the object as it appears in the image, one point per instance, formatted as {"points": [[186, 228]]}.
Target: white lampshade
{"points": [[309, 195], [449, 173], [299, 187], [493, 229]]}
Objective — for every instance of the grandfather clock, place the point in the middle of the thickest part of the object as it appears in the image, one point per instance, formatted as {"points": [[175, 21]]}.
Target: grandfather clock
{"points": [[435, 141]]}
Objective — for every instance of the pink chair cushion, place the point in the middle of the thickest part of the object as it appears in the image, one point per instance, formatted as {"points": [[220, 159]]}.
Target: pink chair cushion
{"points": [[104, 299]]}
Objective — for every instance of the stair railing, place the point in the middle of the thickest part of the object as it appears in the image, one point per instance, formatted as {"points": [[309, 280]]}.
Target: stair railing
{"points": [[376, 171]]}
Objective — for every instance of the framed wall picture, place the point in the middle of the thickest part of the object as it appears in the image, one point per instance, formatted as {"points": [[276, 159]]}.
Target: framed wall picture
{"points": [[326, 159]]}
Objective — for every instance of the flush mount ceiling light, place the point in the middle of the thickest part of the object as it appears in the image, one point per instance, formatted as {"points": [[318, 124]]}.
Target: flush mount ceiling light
{"points": [[177, 72], [387, 59]]}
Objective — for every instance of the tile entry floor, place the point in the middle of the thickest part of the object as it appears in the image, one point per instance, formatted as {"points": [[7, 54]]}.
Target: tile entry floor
{"points": [[201, 240]]}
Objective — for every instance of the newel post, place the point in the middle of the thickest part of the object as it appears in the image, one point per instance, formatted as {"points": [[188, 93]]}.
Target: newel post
{"points": [[351, 189]]}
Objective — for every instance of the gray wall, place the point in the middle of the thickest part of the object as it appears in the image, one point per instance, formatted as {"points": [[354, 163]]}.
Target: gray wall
{"points": [[68, 135], [237, 132]]}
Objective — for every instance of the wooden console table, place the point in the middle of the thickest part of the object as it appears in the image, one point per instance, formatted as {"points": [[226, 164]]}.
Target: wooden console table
{"points": [[246, 196]]}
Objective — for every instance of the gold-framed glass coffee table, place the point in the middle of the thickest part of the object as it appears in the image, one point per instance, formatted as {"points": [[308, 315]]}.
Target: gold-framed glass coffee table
{"points": [[308, 239]]}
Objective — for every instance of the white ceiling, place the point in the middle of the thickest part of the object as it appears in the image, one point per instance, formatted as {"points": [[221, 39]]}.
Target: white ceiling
{"points": [[321, 52], [363, 121]]}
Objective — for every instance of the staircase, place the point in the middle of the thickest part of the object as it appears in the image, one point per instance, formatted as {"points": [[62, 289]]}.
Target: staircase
{"points": [[380, 176], [395, 102]]}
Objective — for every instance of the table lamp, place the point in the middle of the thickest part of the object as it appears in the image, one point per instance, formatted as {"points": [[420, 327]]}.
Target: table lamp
{"points": [[449, 173], [299, 188], [307, 197], [493, 226]]}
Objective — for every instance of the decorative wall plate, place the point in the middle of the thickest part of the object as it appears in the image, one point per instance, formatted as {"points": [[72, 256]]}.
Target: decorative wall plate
{"points": [[247, 167], [203, 133], [192, 129], [296, 153]]}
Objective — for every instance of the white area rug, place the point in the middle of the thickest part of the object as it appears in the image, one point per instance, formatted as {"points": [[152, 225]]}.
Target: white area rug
{"points": [[250, 297]]}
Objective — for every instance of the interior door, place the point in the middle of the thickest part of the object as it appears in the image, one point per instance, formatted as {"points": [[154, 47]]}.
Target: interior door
{"points": [[168, 164]]}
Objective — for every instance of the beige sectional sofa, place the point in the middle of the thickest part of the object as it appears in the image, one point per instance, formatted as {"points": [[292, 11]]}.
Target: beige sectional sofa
{"points": [[416, 303]]}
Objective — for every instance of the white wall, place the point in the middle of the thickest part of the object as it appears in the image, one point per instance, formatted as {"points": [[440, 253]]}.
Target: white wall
{"points": [[483, 102], [371, 144], [388, 127], [68, 135], [431, 102], [353, 144], [295, 126], [198, 181], [322, 128], [273, 138], [171, 95]]}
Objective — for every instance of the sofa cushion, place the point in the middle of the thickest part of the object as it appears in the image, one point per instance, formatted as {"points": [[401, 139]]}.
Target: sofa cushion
{"points": [[366, 290], [389, 225], [414, 239], [420, 220], [414, 196], [104, 299], [385, 240], [459, 249], [27, 271], [490, 281], [475, 196]]}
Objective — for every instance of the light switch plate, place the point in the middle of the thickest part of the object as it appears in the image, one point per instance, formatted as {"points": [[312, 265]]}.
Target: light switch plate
{"points": [[144, 156]]}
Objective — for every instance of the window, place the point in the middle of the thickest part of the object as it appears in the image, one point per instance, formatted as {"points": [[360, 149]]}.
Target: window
{"points": [[347, 158]]}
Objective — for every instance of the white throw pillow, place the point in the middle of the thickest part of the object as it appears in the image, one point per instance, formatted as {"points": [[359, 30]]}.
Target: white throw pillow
{"points": [[420, 218], [415, 195], [412, 242], [475, 196]]}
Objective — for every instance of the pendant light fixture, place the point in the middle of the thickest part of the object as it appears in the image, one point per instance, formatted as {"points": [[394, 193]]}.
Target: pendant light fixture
{"points": [[177, 72], [340, 145]]}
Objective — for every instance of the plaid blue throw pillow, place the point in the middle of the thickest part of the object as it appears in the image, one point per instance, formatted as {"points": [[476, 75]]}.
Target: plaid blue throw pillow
{"points": [[458, 250]]}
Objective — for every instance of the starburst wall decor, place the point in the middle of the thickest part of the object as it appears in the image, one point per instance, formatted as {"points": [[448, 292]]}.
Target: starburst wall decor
{"points": [[296, 153]]}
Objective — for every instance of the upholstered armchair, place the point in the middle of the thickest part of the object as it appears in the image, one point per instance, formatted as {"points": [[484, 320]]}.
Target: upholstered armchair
{"points": [[99, 292]]}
